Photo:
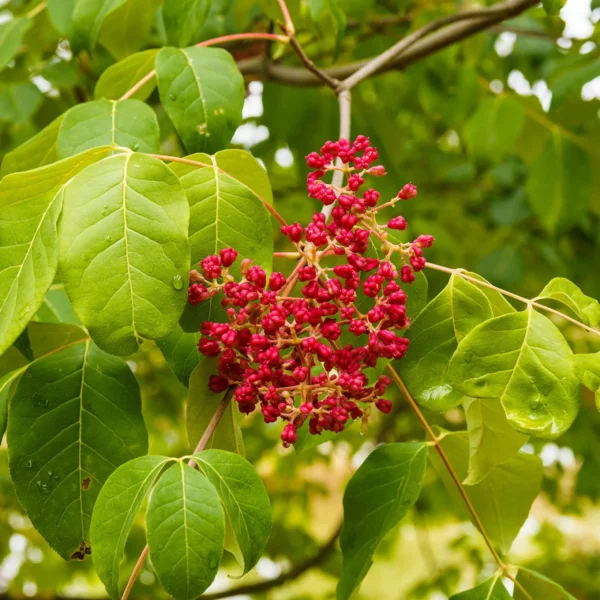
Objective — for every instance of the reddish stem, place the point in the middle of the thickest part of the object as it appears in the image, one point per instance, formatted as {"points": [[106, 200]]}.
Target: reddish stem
{"points": [[244, 36]]}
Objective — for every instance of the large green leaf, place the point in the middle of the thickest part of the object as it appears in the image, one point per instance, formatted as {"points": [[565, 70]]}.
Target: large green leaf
{"points": [[124, 250], [376, 499], [7, 383], [11, 37], [180, 350], [202, 91], [493, 130], [554, 199], [523, 360], [88, 18], [30, 203], [567, 293], [128, 123], [116, 507], [74, 418], [500, 305], [122, 76], [183, 20], [501, 499], [201, 406], [244, 497], [434, 337], [539, 586], [587, 369], [40, 150], [491, 438], [186, 531], [126, 29], [492, 589], [226, 211]]}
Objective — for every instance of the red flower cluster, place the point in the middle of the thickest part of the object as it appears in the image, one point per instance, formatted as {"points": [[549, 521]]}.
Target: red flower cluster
{"points": [[304, 357]]}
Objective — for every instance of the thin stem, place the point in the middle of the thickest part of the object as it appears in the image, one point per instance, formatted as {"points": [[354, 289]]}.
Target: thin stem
{"points": [[289, 24], [332, 82], [218, 40], [136, 571], [461, 490], [210, 429], [292, 255], [527, 301], [195, 163], [284, 39], [36, 10]]}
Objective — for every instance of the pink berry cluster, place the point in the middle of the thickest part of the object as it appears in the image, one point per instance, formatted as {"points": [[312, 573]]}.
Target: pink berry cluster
{"points": [[305, 357]]}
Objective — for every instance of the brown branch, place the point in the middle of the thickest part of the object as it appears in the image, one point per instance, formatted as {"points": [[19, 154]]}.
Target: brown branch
{"points": [[293, 573], [432, 43]]}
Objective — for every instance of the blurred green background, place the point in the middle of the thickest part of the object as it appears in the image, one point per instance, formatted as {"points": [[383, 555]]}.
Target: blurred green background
{"points": [[501, 135]]}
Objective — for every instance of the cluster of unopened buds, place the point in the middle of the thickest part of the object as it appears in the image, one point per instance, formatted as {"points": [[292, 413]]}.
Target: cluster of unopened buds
{"points": [[304, 357]]}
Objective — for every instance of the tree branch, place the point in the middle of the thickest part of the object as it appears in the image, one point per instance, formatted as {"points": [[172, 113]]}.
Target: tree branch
{"points": [[464, 27]]}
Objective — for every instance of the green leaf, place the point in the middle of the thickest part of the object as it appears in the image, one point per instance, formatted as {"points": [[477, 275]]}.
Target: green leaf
{"points": [[57, 307], [201, 406], [180, 350], [492, 589], [244, 497], [39, 151], [19, 102], [88, 17], [186, 532], [492, 440], [183, 20], [493, 130], [202, 91], [502, 499], [523, 360], [434, 337], [376, 499], [554, 199], [126, 29], [225, 211], [47, 338], [122, 76], [124, 252], [30, 203], [539, 586], [23, 345], [74, 418], [500, 305], [11, 38], [7, 383], [552, 7], [128, 123], [115, 509], [567, 293], [587, 369], [61, 15], [571, 80]]}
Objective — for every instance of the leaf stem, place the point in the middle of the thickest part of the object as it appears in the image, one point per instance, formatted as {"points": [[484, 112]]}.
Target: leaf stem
{"points": [[218, 40], [527, 301], [36, 10], [289, 24], [210, 429], [461, 490]]}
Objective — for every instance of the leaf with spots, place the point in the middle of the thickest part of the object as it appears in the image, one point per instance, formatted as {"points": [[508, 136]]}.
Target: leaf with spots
{"points": [[74, 418], [245, 500], [226, 210], [128, 123], [186, 531], [114, 512], [522, 360], [124, 253], [434, 337], [202, 92]]}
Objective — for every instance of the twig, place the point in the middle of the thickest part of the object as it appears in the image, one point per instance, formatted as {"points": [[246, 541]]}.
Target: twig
{"points": [[210, 429], [461, 490], [332, 82], [527, 301], [418, 50]]}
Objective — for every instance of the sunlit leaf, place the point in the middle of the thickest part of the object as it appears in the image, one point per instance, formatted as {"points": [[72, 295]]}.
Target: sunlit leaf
{"points": [[539, 586], [567, 293]]}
